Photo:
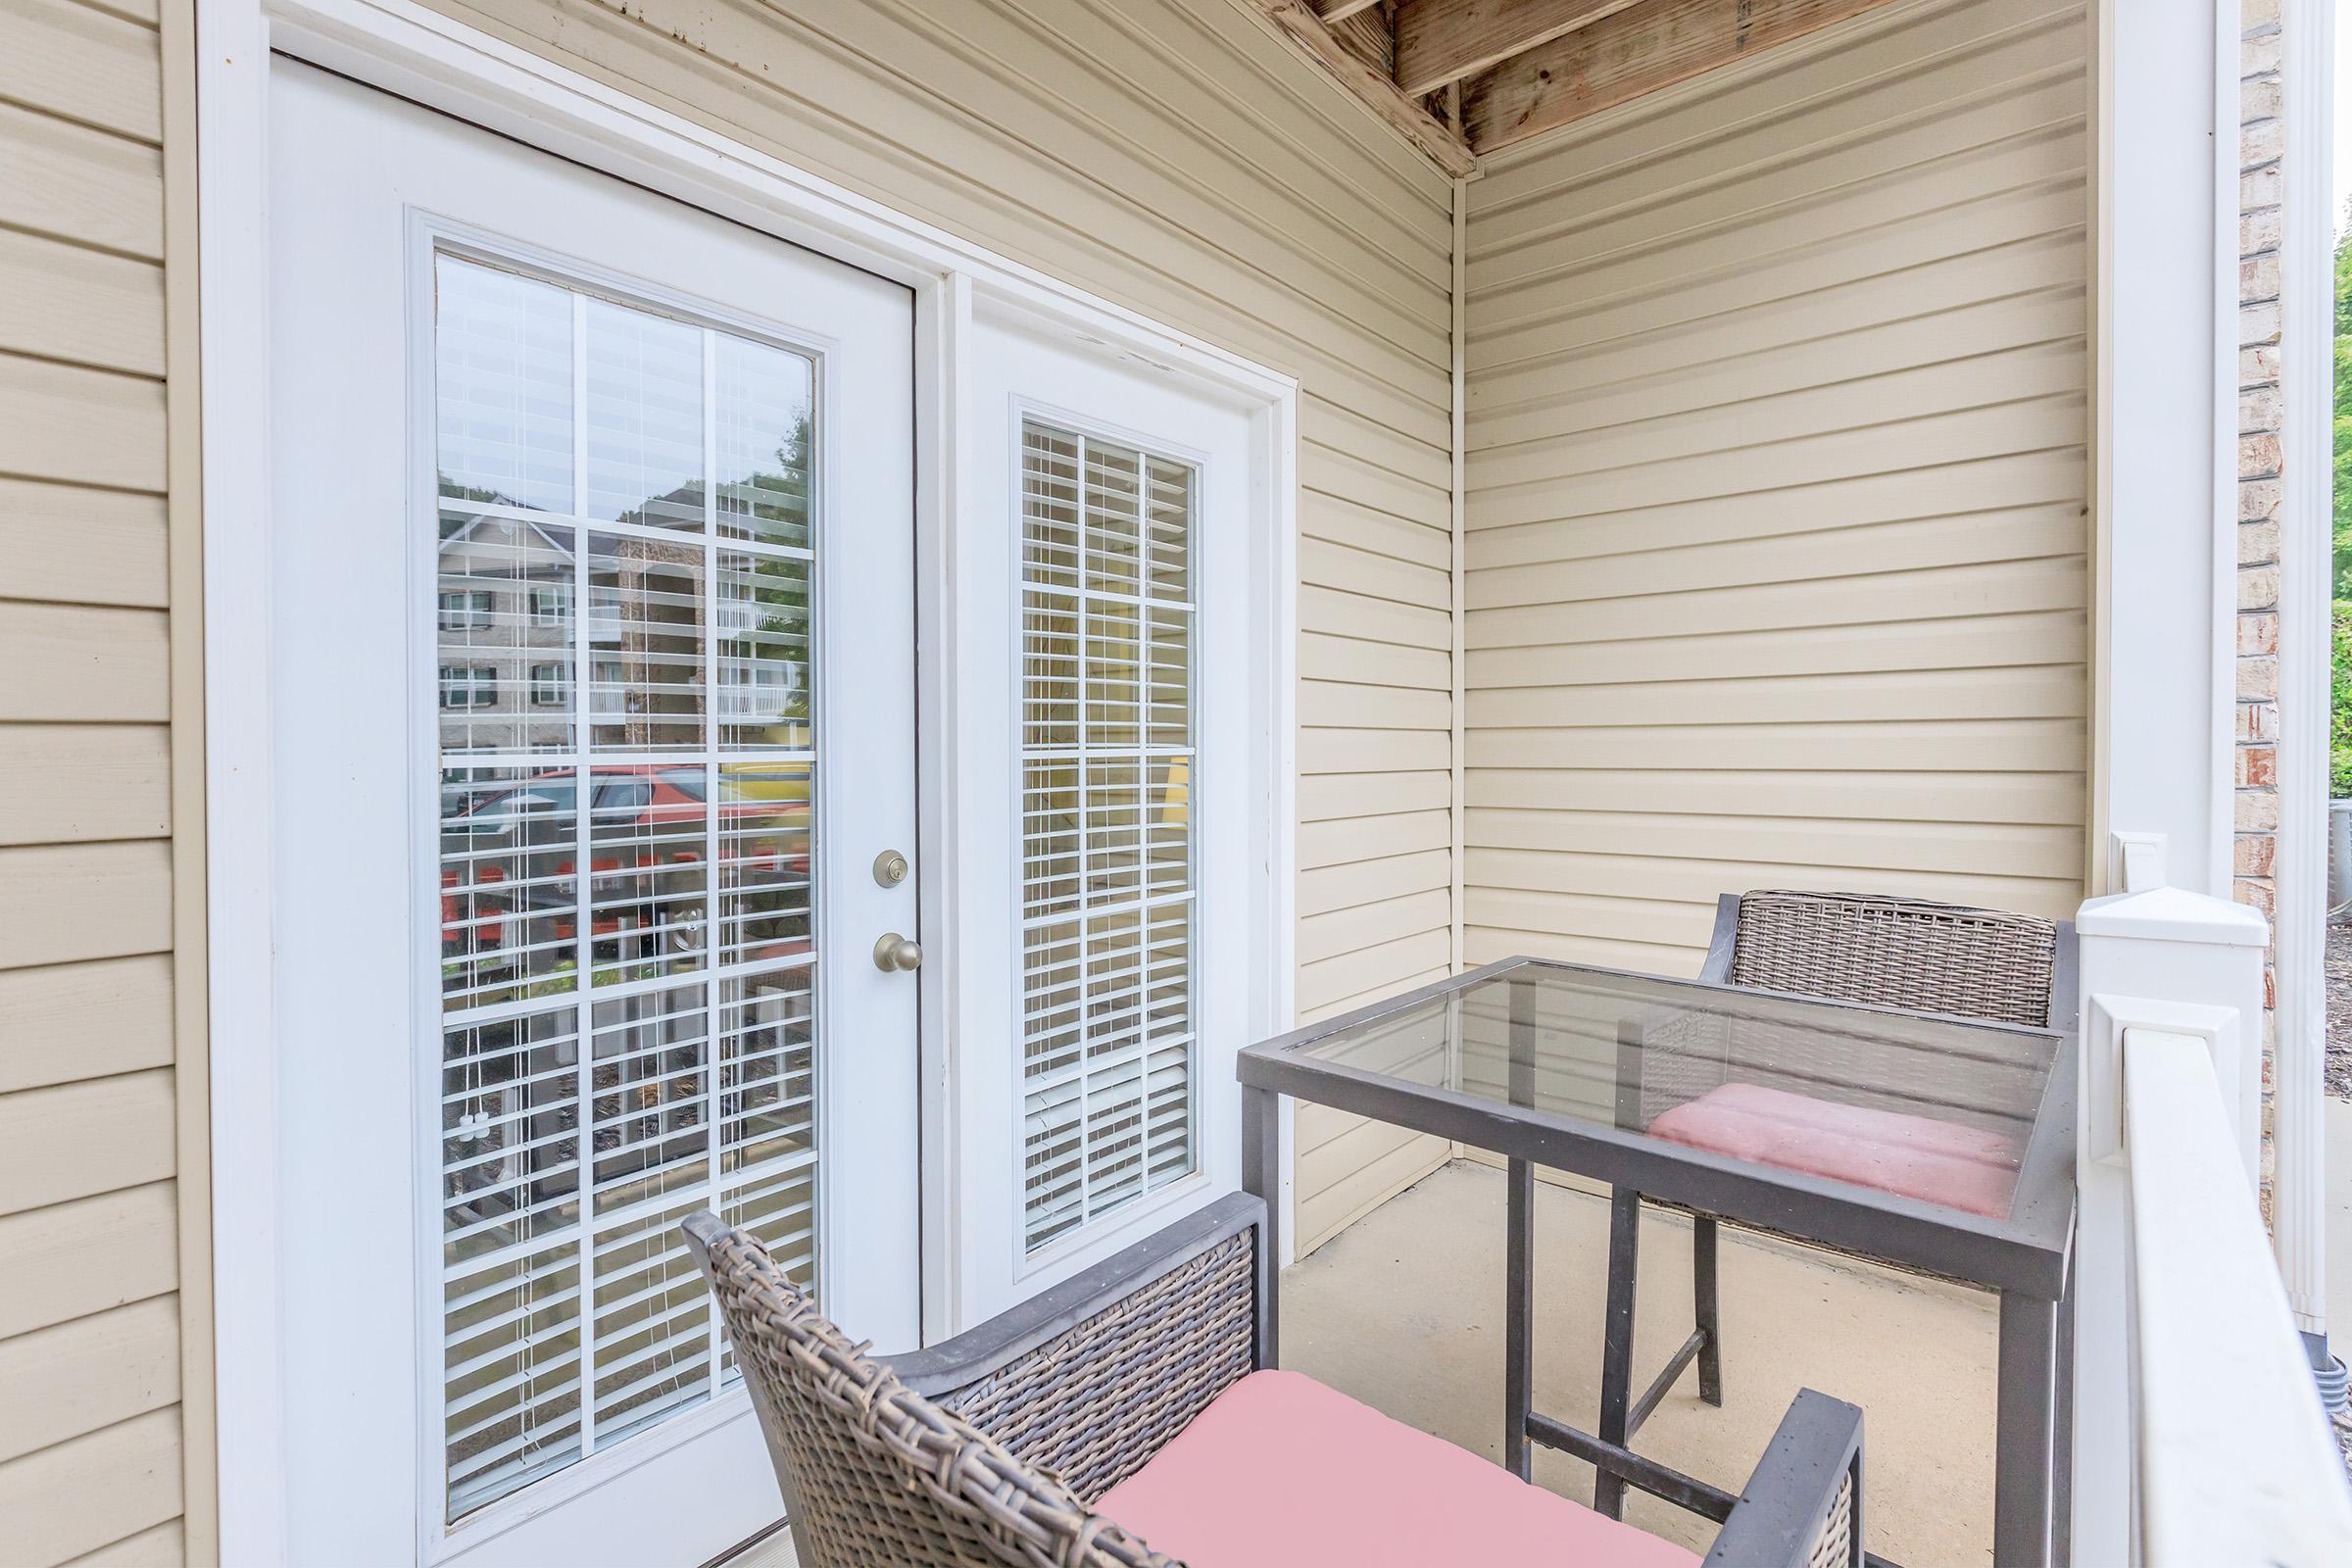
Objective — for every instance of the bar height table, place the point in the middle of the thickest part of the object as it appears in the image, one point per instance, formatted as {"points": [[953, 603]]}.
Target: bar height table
{"points": [[1938, 1144]]}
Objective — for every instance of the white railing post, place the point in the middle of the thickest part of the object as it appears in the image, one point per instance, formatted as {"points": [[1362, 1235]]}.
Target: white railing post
{"points": [[2164, 959], [2235, 1462]]}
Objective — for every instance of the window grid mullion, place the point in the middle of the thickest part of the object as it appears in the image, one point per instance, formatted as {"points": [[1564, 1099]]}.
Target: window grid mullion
{"points": [[714, 694], [582, 881], [1095, 516]]}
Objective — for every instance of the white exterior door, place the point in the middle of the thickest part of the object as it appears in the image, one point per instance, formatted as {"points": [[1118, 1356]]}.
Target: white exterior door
{"points": [[593, 682], [1117, 786]]}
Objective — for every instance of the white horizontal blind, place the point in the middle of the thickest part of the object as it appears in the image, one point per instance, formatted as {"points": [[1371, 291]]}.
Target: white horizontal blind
{"points": [[623, 497], [1107, 772]]}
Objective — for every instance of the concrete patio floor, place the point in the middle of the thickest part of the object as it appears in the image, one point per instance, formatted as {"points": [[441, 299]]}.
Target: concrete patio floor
{"points": [[1404, 1311]]}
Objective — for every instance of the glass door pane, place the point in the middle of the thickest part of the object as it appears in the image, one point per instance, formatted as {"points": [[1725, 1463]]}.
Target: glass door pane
{"points": [[627, 900]]}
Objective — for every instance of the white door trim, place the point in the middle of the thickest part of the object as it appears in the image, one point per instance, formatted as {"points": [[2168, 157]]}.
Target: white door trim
{"points": [[2306, 569], [401, 47]]}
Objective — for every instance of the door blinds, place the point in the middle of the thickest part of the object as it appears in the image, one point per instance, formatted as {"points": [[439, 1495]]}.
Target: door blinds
{"points": [[626, 960], [1108, 884]]}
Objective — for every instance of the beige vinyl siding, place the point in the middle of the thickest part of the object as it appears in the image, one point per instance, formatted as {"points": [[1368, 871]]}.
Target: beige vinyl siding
{"points": [[92, 1457], [1775, 536], [1178, 157]]}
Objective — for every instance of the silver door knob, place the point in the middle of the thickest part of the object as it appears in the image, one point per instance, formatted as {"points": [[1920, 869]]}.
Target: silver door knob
{"points": [[895, 952]]}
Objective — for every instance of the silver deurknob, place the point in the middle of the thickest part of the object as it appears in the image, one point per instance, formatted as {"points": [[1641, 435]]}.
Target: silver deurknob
{"points": [[895, 952]]}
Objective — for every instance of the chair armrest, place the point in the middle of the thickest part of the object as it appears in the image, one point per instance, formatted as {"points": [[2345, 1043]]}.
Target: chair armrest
{"points": [[1802, 1507], [1091, 1378]]}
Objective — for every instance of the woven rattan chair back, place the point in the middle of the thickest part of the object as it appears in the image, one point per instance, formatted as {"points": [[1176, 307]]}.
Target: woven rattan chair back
{"points": [[1899, 953], [874, 1475]]}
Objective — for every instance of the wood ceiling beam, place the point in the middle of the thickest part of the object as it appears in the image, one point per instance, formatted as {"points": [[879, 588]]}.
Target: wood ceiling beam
{"points": [[1438, 41], [1342, 10], [1303, 28], [1649, 45]]}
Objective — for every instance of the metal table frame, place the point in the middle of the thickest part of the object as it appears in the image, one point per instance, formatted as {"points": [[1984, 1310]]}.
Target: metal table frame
{"points": [[2024, 1258]]}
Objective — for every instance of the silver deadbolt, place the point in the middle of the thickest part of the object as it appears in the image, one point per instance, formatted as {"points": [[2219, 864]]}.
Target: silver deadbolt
{"points": [[894, 951], [890, 868]]}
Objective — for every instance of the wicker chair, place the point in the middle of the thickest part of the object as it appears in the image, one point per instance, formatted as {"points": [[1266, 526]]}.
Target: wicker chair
{"points": [[1878, 952], [990, 1449]]}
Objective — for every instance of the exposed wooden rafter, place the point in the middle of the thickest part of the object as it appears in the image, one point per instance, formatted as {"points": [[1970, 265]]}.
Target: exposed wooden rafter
{"points": [[1462, 78], [1299, 20], [1639, 50], [1438, 41]]}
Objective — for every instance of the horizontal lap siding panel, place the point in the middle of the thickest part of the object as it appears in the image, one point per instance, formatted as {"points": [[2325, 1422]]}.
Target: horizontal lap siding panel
{"points": [[76, 1377], [1358, 1172], [90, 1450], [68, 544], [1330, 797], [1177, 158], [1953, 539], [1347, 1165], [2042, 477], [162, 1546], [70, 1259], [63, 1022], [1346, 522], [1328, 655], [79, 782], [63, 302], [77, 1140], [1776, 561], [1958, 642], [1016, 153], [76, 62], [2039, 799], [79, 425], [76, 1497], [2000, 300], [61, 903], [1681, 313], [75, 182]]}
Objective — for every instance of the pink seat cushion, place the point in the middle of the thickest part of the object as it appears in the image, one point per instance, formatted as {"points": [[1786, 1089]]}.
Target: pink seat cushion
{"points": [[1281, 1472], [1917, 1157]]}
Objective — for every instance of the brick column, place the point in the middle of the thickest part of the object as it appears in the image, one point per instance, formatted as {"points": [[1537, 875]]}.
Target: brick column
{"points": [[2261, 144]]}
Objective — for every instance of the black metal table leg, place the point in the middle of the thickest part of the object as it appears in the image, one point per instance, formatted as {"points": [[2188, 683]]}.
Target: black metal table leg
{"points": [[1261, 1177], [1617, 1352], [1519, 1250], [2025, 1432], [1705, 1311], [1518, 1317]]}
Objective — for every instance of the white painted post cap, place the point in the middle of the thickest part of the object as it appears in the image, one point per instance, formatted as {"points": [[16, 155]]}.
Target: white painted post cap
{"points": [[2173, 915]]}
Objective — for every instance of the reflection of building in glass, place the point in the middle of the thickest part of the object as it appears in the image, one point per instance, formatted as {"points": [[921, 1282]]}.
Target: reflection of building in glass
{"points": [[500, 648], [627, 904], [645, 642]]}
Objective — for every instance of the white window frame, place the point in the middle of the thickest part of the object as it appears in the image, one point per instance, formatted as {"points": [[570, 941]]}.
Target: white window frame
{"points": [[468, 610], [1090, 1238], [551, 687], [478, 684], [444, 65]]}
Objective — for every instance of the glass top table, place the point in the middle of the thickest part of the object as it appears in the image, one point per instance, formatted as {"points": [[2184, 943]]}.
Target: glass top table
{"points": [[1939, 1145]]}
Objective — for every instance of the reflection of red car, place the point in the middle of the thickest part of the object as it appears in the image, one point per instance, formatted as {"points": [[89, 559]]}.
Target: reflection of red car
{"points": [[511, 852]]}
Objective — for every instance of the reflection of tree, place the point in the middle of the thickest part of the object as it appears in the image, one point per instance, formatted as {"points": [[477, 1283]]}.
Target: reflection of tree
{"points": [[769, 620], [451, 490]]}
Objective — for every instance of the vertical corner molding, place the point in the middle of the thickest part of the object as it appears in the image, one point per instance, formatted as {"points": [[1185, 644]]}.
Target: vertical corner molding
{"points": [[2305, 555], [1458, 740], [232, 41], [200, 1486]]}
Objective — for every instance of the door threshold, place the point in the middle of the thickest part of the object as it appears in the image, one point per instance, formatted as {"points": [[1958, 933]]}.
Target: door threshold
{"points": [[769, 1548]]}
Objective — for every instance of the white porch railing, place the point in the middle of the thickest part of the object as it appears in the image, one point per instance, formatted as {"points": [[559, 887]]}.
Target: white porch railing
{"points": [[2235, 1464], [2198, 1435]]}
